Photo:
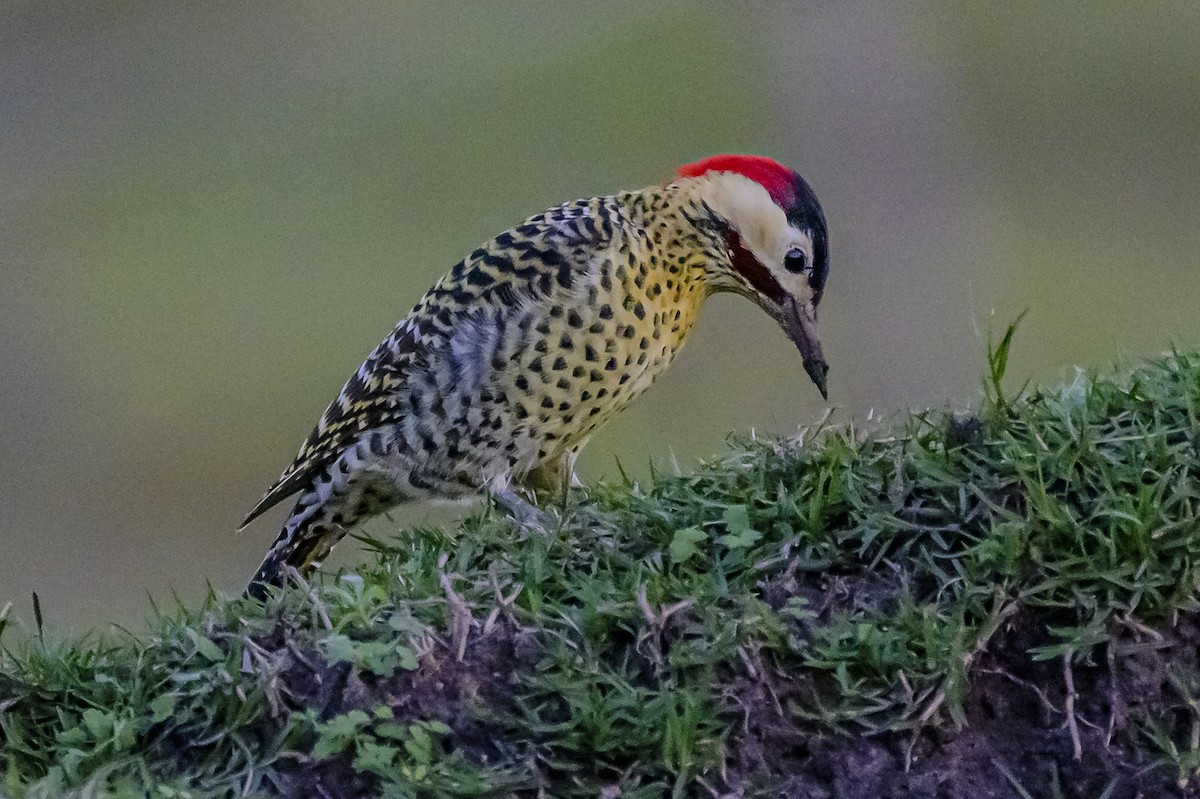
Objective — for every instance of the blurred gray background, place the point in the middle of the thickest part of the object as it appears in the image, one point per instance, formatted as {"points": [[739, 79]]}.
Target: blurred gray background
{"points": [[210, 212]]}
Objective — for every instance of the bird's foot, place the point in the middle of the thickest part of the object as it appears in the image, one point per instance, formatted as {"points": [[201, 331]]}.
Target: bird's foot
{"points": [[527, 515]]}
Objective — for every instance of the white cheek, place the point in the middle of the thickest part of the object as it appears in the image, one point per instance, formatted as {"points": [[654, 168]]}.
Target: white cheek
{"points": [[770, 244], [770, 240]]}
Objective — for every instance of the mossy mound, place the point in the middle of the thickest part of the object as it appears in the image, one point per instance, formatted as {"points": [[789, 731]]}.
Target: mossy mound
{"points": [[955, 605]]}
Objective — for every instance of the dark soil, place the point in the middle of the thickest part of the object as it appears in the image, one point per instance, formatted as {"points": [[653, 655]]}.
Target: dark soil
{"points": [[1015, 742], [466, 695]]}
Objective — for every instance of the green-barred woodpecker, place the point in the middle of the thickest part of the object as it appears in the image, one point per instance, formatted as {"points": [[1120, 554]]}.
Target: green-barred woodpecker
{"points": [[501, 373]]}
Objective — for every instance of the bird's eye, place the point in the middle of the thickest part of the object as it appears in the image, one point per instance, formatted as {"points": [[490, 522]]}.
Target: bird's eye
{"points": [[796, 262]]}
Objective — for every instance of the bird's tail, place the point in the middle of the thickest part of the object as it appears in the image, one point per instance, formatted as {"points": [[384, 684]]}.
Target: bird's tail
{"points": [[309, 534]]}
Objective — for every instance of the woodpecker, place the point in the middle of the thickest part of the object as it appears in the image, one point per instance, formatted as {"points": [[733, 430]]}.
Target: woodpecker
{"points": [[503, 370]]}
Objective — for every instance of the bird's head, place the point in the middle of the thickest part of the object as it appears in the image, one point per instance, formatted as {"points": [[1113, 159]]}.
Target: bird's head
{"points": [[776, 241]]}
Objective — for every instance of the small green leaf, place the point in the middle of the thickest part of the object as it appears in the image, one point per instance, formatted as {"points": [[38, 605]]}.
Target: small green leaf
{"points": [[402, 621], [72, 736], [70, 762], [329, 745], [339, 649], [390, 729], [438, 727], [124, 735], [162, 707], [348, 723], [206, 648], [740, 534], [736, 519], [408, 658], [377, 657], [683, 544], [740, 540], [98, 723], [371, 756], [419, 745], [336, 734], [54, 782]]}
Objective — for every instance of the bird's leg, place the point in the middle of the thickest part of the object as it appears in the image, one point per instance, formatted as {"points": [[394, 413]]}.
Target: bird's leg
{"points": [[551, 480], [524, 513], [547, 483]]}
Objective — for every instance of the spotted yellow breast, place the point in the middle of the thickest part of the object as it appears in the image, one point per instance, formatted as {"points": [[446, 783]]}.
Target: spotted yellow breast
{"points": [[608, 339]]}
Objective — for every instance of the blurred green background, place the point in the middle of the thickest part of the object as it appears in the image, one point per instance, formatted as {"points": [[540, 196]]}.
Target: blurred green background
{"points": [[210, 212]]}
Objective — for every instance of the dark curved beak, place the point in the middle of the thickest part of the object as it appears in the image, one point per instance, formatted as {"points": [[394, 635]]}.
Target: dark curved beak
{"points": [[800, 323]]}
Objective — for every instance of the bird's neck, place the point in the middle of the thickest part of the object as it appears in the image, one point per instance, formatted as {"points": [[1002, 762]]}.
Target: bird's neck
{"points": [[669, 255]]}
